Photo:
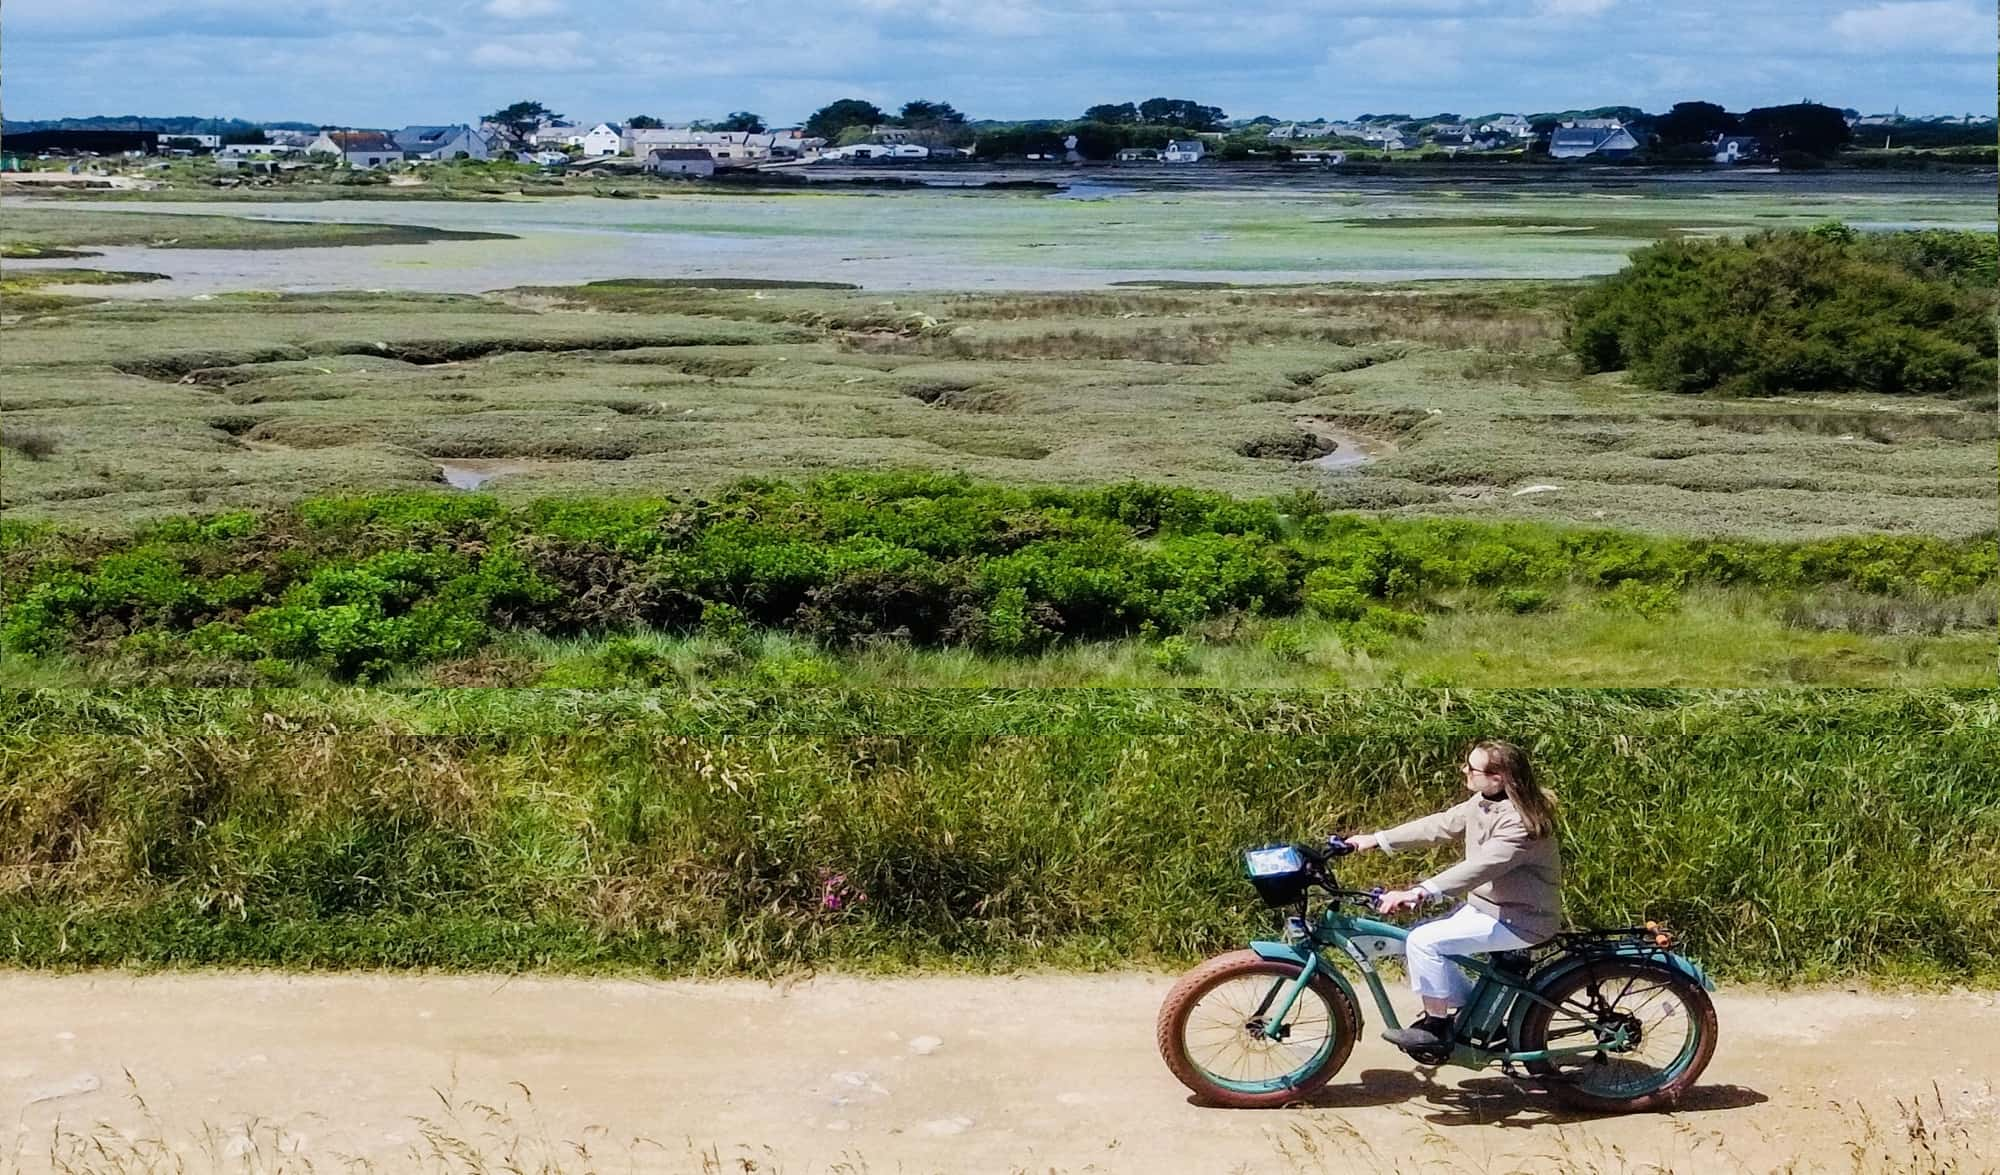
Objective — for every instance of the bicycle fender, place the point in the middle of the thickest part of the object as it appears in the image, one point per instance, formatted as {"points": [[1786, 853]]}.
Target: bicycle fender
{"points": [[1285, 952]]}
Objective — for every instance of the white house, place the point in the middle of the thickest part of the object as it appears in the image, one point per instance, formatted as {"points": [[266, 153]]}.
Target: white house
{"points": [[1389, 138], [256, 157], [254, 150], [909, 151], [201, 142], [431, 143], [735, 146], [1736, 148], [358, 149], [1578, 142], [603, 139], [680, 161], [1184, 151], [556, 134], [638, 141], [1509, 124], [790, 143], [856, 151]]}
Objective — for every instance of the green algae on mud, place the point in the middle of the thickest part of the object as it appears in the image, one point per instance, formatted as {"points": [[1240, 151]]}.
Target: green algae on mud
{"points": [[1101, 233], [37, 231]]}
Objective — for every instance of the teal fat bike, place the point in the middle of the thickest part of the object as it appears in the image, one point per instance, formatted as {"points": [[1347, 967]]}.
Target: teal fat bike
{"points": [[1607, 1021]]}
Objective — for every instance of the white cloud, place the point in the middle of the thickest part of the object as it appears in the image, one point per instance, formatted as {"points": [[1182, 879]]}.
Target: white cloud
{"points": [[1574, 7], [1952, 26], [522, 9], [530, 53], [1397, 56]]}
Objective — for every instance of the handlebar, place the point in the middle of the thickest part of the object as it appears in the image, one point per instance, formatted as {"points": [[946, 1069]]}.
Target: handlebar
{"points": [[1335, 847]]}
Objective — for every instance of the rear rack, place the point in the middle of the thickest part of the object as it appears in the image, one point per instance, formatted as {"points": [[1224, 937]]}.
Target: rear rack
{"points": [[1651, 937]]}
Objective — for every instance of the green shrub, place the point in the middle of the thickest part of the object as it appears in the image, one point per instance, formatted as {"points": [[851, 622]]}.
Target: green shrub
{"points": [[1175, 655], [1820, 310], [151, 648], [1523, 600], [361, 587], [217, 639], [725, 623], [798, 672], [1285, 644], [630, 662], [1642, 599], [275, 672]]}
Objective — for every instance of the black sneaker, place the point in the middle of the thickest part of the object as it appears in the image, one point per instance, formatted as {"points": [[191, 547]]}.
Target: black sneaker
{"points": [[1428, 1032]]}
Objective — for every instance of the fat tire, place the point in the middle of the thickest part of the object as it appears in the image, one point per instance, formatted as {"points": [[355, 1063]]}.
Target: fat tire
{"points": [[1188, 991], [1535, 1026]]}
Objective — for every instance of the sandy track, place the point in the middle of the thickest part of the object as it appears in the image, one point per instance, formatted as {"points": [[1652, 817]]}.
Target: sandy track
{"points": [[930, 1074]]}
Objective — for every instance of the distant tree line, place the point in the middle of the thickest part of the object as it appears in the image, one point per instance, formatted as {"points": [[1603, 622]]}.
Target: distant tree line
{"points": [[853, 119], [1179, 112]]}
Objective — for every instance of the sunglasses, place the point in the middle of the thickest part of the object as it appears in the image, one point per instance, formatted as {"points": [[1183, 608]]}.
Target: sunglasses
{"points": [[1469, 769]]}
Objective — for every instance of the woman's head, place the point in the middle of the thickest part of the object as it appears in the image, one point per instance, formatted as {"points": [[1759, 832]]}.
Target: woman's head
{"points": [[1494, 767]]}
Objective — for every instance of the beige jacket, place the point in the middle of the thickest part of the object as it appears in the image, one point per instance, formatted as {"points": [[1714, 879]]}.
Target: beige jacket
{"points": [[1516, 879]]}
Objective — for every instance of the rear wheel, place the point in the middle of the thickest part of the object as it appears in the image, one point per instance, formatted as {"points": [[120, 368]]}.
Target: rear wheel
{"points": [[1213, 1032], [1669, 1026]]}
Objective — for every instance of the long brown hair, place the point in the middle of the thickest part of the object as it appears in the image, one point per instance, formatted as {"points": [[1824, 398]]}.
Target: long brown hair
{"points": [[1517, 776]]}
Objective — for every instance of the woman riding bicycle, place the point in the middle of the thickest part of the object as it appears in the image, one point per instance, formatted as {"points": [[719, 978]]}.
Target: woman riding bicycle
{"points": [[1510, 880]]}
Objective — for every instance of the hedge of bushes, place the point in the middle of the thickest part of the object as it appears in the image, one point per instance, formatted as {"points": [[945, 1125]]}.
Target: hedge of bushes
{"points": [[1821, 310], [361, 586]]}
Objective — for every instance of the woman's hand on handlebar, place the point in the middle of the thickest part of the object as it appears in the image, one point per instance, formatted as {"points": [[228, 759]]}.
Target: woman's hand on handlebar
{"points": [[1401, 899], [1361, 843]]}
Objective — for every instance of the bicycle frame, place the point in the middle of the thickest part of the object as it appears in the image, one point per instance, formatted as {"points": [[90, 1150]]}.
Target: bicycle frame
{"points": [[1492, 1013]]}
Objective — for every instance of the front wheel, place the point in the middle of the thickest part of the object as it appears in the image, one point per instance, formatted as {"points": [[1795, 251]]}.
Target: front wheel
{"points": [[1669, 1026], [1213, 1032]]}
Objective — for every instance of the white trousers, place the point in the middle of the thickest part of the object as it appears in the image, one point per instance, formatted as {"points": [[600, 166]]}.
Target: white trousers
{"points": [[1464, 931]]}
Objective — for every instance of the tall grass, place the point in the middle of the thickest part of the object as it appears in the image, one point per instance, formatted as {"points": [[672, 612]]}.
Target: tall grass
{"points": [[1787, 836]]}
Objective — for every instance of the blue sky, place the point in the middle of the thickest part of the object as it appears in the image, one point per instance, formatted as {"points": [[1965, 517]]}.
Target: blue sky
{"points": [[390, 62]]}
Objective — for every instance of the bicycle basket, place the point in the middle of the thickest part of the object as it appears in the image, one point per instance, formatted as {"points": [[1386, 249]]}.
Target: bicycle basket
{"points": [[1280, 873]]}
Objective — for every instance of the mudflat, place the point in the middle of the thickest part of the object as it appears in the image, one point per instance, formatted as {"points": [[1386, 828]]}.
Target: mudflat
{"points": [[1104, 228]]}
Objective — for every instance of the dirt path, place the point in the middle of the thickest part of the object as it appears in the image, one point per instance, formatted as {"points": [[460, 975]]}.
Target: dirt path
{"points": [[263, 1072]]}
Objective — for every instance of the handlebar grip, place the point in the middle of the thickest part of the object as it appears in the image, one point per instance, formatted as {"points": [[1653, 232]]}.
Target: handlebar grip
{"points": [[1337, 847]]}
